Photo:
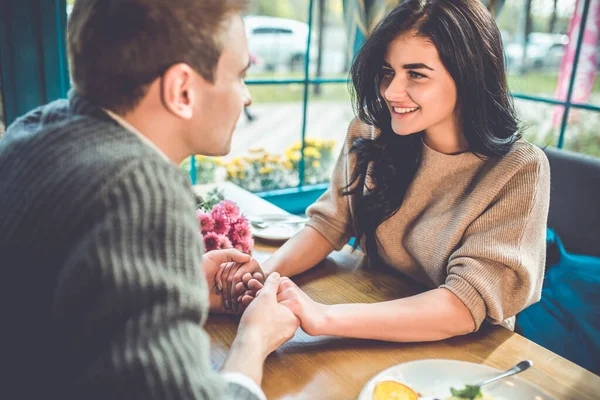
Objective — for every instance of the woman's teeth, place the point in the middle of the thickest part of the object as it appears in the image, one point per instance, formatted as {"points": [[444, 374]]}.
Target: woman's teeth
{"points": [[405, 110]]}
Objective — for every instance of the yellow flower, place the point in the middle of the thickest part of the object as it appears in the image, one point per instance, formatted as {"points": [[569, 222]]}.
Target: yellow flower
{"points": [[314, 142], [257, 150], [316, 164], [265, 170], [295, 156], [312, 152], [236, 161], [295, 146], [288, 164]]}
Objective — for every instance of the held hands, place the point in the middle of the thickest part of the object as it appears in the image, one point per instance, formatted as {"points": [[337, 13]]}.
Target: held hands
{"points": [[269, 323], [312, 315], [237, 279], [227, 269]]}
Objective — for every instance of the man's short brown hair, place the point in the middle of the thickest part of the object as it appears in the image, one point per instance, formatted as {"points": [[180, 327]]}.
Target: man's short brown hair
{"points": [[117, 47]]}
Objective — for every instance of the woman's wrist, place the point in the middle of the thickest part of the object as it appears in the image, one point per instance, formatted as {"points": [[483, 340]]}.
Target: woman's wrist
{"points": [[326, 325], [268, 266]]}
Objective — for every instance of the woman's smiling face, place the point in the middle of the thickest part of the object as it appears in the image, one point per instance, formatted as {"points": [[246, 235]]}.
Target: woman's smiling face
{"points": [[417, 88]]}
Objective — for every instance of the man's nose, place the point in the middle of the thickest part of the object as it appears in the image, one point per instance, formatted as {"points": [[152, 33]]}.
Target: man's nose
{"points": [[247, 96]]}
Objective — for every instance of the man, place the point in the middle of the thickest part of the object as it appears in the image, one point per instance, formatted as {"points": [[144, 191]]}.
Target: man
{"points": [[103, 272]]}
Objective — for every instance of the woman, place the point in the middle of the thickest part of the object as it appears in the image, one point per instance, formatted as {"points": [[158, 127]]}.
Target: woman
{"points": [[434, 180]]}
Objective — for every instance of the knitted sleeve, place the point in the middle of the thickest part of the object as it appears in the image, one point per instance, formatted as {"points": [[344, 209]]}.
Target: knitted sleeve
{"points": [[331, 214], [131, 299], [497, 271]]}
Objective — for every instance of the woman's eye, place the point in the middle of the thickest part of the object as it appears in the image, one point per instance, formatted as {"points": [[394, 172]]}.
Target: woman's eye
{"points": [[415, 75], [387, 72]]}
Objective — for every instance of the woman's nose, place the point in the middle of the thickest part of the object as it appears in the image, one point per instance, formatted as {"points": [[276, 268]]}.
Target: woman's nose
{"points": [[396, 90]]}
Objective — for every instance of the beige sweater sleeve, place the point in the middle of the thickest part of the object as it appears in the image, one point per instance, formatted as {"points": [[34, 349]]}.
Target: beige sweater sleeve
{"points": [[331, 214], [498, 270]]}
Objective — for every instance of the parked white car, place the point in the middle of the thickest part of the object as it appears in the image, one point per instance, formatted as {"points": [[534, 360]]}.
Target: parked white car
{"points": [[544, 50], [277, 43]]}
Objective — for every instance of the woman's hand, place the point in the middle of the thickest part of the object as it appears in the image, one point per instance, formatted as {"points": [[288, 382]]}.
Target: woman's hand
{"points": [[312, 315]]}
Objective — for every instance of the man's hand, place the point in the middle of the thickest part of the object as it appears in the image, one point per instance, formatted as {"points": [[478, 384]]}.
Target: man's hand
{"points": [[238, 279], [212, 262], [264, 327], [274, 323]]}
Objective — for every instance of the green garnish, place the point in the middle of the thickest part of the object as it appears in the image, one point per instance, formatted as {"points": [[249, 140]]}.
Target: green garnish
{"points": [[469, 392]]}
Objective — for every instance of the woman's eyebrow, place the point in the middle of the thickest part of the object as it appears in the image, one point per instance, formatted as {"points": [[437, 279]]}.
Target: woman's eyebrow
{"points": [[410, 66], [417, 66]]}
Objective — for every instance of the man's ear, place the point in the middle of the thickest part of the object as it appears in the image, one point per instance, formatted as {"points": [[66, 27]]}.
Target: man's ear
{"points": [[177, 90]]}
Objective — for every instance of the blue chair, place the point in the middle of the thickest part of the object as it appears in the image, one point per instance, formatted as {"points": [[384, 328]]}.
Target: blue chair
{"points": [[567, 319]]}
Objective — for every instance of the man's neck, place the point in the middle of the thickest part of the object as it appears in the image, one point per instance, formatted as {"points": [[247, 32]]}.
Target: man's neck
{"points": [[150, 132]]}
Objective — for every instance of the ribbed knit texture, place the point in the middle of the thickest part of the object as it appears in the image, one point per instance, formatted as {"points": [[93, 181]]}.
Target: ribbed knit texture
{"points": [[476, 227], [104, 295]]}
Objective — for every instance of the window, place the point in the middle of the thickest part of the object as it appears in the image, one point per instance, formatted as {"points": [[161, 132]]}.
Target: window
{"points": [[293, 103], [301, 53], [552, 75]]}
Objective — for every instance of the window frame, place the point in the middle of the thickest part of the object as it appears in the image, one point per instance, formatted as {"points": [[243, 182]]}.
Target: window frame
{"points": [[42, 76]]}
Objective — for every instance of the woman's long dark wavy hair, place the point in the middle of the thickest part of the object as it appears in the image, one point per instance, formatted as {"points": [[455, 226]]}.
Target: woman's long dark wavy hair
{"points": [[469, 45]]}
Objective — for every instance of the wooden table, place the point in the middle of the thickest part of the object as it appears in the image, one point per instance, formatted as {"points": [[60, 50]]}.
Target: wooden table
{"points": [[336, 368]]}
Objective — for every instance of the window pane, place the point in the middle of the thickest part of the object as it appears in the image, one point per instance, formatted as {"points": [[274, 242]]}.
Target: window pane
{"points": [[586, 89], [70, 6], [265, 148], [540, 121], [535, 71], [277, 38], [583, 132], [329, 55], [583, 127], [329, 114]]}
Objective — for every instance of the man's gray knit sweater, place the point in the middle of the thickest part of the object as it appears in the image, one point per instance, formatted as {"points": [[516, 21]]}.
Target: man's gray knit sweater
{"points": [[103, 291]]}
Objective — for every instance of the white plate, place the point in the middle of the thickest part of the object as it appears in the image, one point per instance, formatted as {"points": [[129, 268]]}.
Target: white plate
{"points": [[434, 378], [276, 231]]}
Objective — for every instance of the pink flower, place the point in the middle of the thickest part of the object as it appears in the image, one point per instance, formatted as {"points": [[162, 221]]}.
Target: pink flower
{"points": [[230, 209], [211, 241], [221, 222], [205, 220], [246, 245], [224, 242], [240, 230]]}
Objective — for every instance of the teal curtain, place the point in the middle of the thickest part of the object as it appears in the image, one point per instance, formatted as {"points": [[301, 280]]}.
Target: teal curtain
{"points": [[32, 54], [362, 16]]}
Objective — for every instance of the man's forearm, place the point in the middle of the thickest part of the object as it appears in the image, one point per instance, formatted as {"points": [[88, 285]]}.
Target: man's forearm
{"points": [[246, 356]]}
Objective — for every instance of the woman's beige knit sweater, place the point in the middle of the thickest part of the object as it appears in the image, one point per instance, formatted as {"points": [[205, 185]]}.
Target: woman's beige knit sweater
{"points": [[475, 227]]}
